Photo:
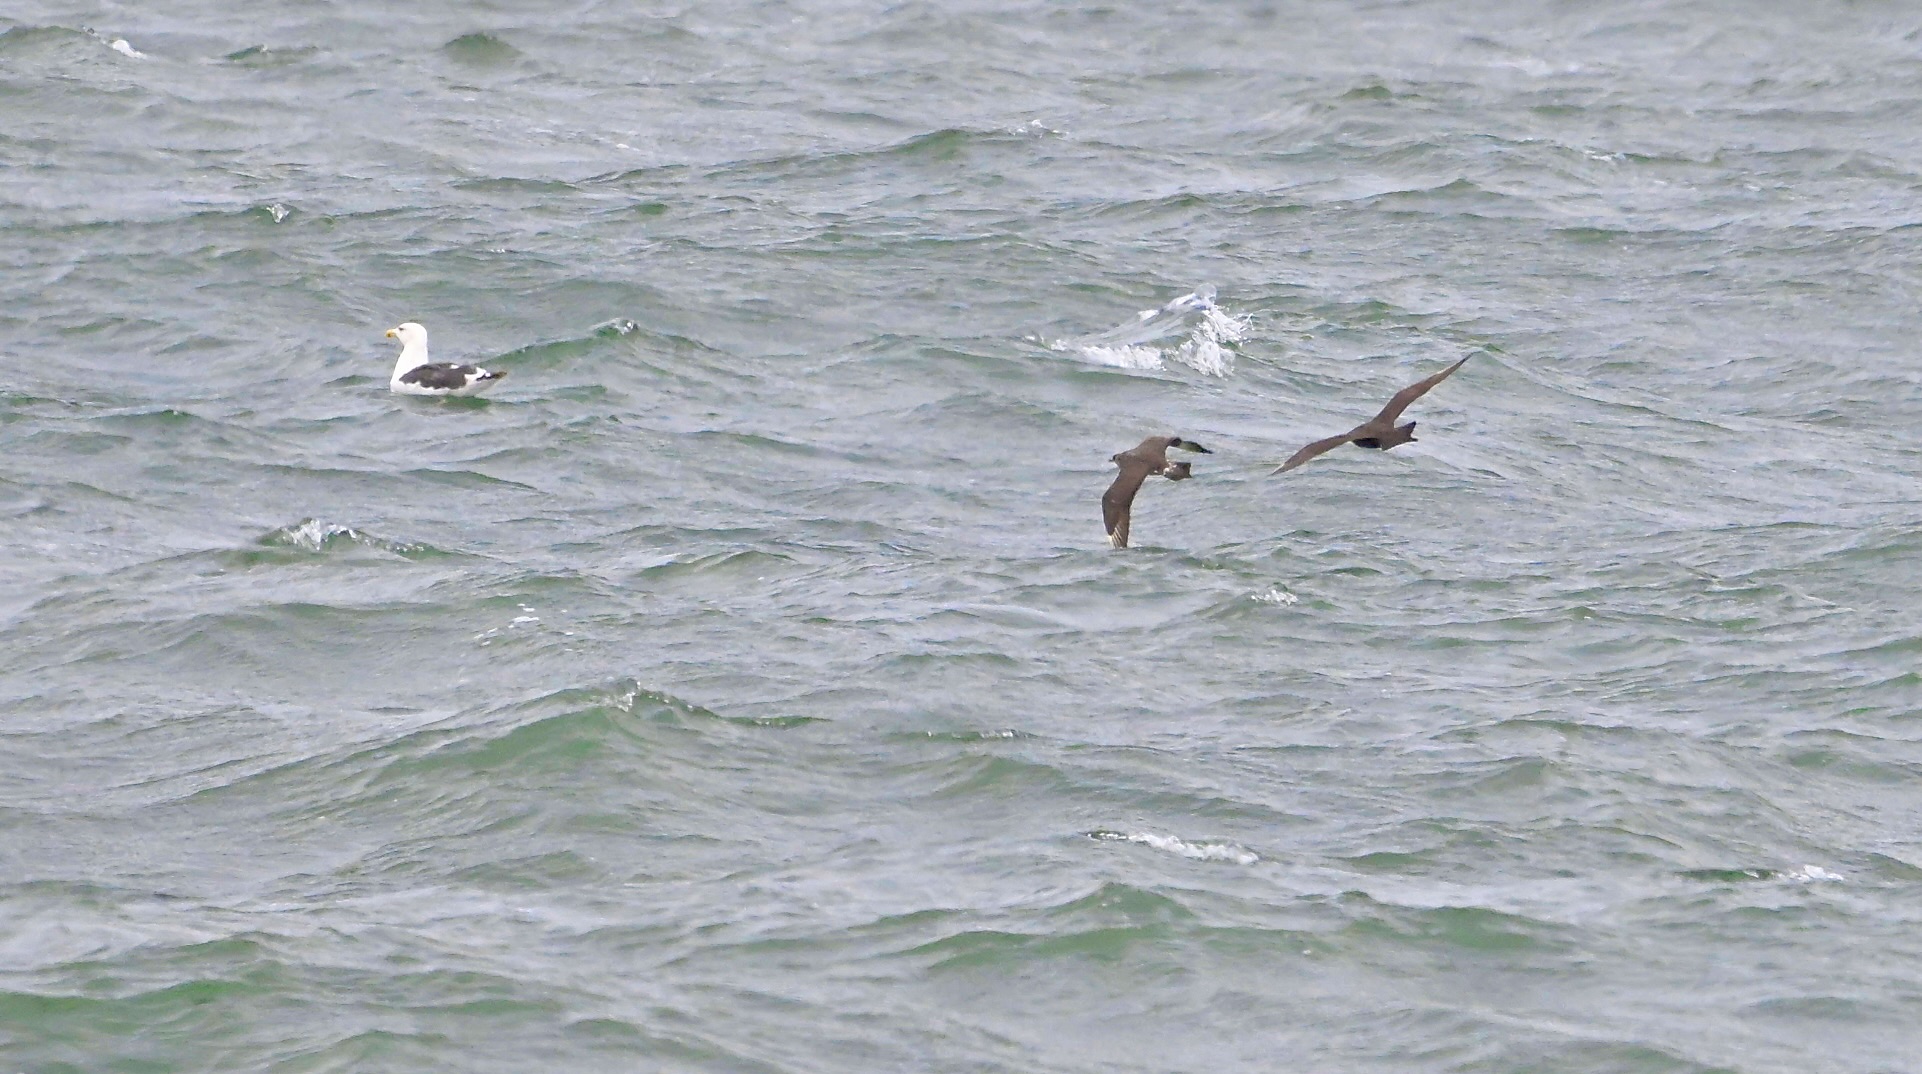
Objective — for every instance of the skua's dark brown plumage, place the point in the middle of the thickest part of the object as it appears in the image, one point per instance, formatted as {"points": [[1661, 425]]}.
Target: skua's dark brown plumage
{"points": [[1379, 432], [1138, 464]]}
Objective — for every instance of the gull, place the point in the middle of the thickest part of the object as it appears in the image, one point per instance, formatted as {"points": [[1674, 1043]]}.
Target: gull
{"points": [[415, 375]]}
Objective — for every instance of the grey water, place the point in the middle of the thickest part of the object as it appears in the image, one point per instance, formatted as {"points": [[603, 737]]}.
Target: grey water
{"points": [[746, 684]]}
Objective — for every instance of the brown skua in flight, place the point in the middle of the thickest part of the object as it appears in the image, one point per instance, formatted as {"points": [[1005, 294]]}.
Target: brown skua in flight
{"points": [[1379, 432], [1138, 464]]}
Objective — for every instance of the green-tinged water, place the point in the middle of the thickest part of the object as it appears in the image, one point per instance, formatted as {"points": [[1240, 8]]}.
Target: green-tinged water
{"points": [[746, 685]]}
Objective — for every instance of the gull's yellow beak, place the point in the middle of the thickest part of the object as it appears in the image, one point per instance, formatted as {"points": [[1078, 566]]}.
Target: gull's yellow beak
{"points": [[393, 333]]}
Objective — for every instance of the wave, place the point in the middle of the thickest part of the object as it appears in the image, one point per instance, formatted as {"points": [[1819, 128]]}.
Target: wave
{"points": [[1802, 874], [480, 50], [1275, 595], [1168, 844], [263, 56], [62, 43], [1207, 334], [316, 535]]}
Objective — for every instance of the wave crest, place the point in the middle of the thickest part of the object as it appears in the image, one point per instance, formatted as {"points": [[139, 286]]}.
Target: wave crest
{"points": [[1206, 331], [316, 535], [1169, 844]]}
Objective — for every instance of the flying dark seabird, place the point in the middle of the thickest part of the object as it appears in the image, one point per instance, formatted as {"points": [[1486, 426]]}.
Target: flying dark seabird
{"points": [[1138, 464], [1379, 432]]}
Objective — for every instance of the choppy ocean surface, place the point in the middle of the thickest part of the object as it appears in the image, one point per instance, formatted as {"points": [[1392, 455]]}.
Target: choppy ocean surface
{"points": [[747, 685]]}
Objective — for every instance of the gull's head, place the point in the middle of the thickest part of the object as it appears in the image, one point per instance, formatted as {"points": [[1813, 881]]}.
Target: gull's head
{"points": [[409, 334]]}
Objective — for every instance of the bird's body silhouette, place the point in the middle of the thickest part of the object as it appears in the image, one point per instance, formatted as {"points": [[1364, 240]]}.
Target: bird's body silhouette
{"points": [[415, 375], [1146, 459], [1379, 432]]}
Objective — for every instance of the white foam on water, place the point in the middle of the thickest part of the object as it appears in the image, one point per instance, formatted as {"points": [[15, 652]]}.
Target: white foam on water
{"points": [[313, 534], [1204, 350], [316, 535], [1034, 127], [1813, 874], [1276, 595], [1227, 852], [1119, 357], [1206, 334], [121, 46]]}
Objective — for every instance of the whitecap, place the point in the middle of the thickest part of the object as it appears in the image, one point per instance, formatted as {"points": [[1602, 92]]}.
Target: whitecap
{"points": [[1227, 852], [1119, 357], [120, 45], [316, 535], [1207, 334], [1037, 128], [312, 534], [1275, 595], [1813, 874]]}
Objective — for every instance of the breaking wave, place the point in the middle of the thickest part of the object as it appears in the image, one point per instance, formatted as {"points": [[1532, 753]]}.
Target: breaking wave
{"points": [[1204, 336]]}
